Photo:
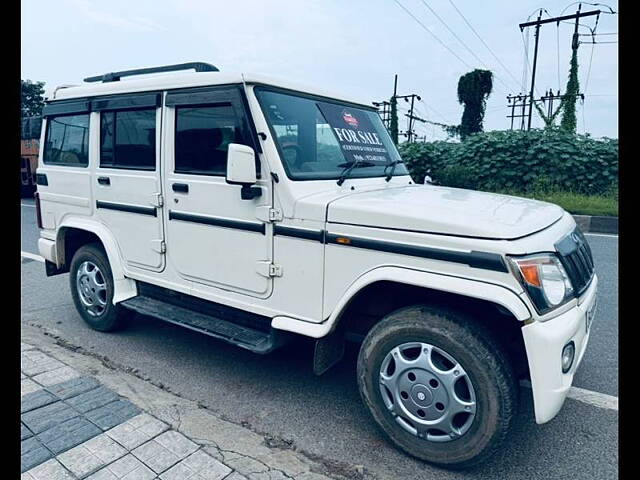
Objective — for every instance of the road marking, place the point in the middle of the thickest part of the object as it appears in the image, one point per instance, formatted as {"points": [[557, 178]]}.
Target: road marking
{"points": [[596, 399], [32, 256], [602, 235], [27, 205]]}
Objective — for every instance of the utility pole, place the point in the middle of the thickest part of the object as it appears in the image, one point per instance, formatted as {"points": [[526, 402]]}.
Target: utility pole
{"points": [[533, 73], [411, 117], [574, 40], [574, 44], [395, 86], [410, 133], [517, 102], [385, 113]]}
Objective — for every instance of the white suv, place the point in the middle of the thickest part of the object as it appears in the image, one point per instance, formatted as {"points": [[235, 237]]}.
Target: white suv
{"points": [[255, 210]]}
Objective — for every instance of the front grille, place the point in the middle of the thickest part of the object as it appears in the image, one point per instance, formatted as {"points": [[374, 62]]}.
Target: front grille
{"points": [[575, 255]]}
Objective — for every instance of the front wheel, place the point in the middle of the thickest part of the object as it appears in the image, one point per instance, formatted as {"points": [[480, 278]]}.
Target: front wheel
{"points": [[91, 284], [437, 385]]}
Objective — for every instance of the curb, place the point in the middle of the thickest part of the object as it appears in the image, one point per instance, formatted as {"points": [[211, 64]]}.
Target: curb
{"points": [[597, 224]]}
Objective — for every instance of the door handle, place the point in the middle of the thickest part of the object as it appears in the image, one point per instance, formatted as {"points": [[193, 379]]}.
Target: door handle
{"points": [[104, 180], [180, 187]]}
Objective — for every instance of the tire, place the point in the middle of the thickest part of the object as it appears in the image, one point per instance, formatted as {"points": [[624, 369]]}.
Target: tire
{"points": [[94, 299], [485, 384]]}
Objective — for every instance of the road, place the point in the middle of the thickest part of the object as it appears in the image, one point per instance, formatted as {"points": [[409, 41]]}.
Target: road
{"points": [[278, 395]]}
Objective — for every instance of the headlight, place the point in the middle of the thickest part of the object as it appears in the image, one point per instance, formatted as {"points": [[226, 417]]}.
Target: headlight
{"points": [[545, 279]]}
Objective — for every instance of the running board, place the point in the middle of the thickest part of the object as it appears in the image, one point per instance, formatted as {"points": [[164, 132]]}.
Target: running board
{"points": [[251, 339]]}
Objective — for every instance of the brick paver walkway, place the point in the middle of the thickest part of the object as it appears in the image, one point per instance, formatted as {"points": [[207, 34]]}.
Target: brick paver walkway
{"points": [[75, 428]]}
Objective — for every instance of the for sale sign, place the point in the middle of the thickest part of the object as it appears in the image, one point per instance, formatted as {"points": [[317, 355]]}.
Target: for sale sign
{"points": [[358, 137]]}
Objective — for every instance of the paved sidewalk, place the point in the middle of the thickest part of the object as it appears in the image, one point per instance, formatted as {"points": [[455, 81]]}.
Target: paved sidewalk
{"points": [[76, 427]]}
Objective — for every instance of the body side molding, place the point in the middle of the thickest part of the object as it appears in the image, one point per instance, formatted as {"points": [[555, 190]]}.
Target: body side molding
{"points": [[473, 258], [123, 207], [218, 222]]}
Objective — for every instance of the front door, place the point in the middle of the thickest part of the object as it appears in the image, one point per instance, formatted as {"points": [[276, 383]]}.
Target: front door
{"points": [[214, 238], [126, 179]]}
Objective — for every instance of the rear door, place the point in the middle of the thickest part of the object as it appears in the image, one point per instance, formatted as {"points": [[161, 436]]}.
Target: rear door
{"points": [[214, 238], [126, 180]]}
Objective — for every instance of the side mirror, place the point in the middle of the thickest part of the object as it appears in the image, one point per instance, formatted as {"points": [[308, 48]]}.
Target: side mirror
{"points": [[241, 170]]}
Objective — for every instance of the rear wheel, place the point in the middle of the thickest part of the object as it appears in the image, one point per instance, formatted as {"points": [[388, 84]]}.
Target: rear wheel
{"points": [[439, 387], [91, 285]]}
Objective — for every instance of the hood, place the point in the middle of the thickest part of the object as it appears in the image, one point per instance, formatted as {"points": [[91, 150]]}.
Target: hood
{"points": [[444, 210]]}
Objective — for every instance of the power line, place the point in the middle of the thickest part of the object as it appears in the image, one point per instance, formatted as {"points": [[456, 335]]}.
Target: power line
{"points": [[593, 47], [433, 34], [430, 107], [527, 67], [483, 42], [597, 43], [461, 41], [610, 12], [596, 34]]}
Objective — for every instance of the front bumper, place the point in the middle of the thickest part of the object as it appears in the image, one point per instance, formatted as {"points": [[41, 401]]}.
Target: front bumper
{"points": [[544, 342]]}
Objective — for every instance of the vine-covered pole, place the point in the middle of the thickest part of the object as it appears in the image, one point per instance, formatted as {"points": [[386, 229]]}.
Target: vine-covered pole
{"points": [[393, 120]]}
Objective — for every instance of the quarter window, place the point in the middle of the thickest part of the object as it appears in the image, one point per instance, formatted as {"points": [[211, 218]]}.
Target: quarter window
{"points": [[203, 135], [67, 140], [128, 139]]}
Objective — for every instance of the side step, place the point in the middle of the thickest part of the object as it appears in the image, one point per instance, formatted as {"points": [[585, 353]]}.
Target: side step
{"points": [[245, 337]]}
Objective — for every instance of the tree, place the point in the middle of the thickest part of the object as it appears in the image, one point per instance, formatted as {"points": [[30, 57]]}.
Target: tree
{"points": [[32, 98], [568, 123], [473, 90], [393, 120]]}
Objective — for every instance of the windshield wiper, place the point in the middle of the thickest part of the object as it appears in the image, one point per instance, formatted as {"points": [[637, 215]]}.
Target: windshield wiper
{"points": [[350, 166], [393, 169]]}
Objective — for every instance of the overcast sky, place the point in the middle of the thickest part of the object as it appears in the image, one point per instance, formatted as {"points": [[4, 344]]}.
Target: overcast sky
{"points": [[350, 46]]}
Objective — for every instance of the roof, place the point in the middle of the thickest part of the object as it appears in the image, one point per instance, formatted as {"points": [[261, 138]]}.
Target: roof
{"points": [[186, 80]]}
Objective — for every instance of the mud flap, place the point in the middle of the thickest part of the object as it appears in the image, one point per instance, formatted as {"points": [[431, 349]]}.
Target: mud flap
{"points": [[329, 350]]}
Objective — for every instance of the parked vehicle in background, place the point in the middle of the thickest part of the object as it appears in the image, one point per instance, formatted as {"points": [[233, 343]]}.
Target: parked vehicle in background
{"points": [[253, 210], [29, 149]]}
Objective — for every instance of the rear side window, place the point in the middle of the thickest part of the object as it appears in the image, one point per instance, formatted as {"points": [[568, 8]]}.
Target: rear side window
{"points": [[67, 140], [203, 135], [128, 139]]}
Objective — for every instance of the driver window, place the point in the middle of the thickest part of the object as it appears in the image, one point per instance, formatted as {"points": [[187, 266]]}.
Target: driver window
{"points": [[203, 135], [288, 135], [306, 140]]}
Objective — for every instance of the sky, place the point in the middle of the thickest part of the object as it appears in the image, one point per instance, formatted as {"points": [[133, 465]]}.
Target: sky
{"points": [[350, 46]]}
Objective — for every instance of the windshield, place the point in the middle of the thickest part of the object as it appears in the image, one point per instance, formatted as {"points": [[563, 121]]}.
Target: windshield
{"points": [[319, 139]]}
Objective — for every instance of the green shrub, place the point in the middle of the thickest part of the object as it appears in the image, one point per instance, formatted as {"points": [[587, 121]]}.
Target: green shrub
{"points": [[458, 176], [424, 158], [526, 161]]}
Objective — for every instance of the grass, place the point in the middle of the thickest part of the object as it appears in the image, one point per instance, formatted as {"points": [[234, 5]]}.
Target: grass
{"points": [[576, 203]]}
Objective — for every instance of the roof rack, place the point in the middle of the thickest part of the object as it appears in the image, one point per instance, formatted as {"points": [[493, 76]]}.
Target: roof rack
{"points": [[116, 76]]}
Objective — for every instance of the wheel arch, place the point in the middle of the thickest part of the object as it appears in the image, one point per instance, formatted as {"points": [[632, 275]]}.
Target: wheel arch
{"points": [[415, 282], [387, 289], [74, 233]]}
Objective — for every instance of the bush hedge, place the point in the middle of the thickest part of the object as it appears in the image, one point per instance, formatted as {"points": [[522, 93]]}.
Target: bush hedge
{"points": [[526, 161]]}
